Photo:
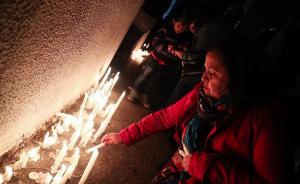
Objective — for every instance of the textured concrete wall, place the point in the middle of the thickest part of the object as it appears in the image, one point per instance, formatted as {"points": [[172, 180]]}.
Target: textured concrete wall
{"points": [[50, 52]]}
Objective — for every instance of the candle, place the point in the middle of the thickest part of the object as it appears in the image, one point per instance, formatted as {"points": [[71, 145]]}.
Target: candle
{"points": [[34, 154], [89, 166], [59, 128], [75, 158], [68, 120], [74, 139], [48, 178], [95, 147], [68, 174], [49, 140], [82, 106], [1, 179], [116, 78], [85, 139], [104, 124], [59, 158], [23, 159], [104, 78], [120, 99], [58, 177], [8, 173]]}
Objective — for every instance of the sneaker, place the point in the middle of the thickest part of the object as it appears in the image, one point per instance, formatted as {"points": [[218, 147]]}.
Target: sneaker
{"points": [[133, 95], [144, 100]]}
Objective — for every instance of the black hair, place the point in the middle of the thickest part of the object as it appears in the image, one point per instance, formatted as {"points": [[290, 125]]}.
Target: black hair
{"points": [[250, 73], [182, 14]]}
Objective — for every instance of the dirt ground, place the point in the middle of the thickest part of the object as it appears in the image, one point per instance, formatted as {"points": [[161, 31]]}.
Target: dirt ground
{"points": [[116, 164]]}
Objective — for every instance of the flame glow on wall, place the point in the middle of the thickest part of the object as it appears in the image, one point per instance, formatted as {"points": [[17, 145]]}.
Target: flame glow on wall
{"points": [[82, 129]]}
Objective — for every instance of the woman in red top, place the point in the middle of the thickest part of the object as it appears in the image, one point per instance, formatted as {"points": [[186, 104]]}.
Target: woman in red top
{"points": [[228, 128]]}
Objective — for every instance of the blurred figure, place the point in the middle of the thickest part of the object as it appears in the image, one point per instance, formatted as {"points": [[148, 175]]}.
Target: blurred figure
{"points": [[160, 59]]}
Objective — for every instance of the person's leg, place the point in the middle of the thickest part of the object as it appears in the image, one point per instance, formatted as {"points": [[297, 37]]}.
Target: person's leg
{"points": [[154, 77], [141, 81]]}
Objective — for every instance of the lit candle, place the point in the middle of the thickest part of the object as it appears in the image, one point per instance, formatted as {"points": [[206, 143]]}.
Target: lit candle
{"points": [[8, 173], [34, 154], [85, 138], [23, 159], [59, 128], [68, 119], [104, 124], [95, 147], [1, 179], [89, 166], [120, 100], [82, 106], [74, 139], [58, 177], [59, 158], [49, 140], [48, 178], [105, 78], [75, 158], [116, 78], [68, 174]]}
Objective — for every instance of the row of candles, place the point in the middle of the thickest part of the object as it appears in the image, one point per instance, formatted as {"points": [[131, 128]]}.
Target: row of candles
{"points": [[84, 130]]}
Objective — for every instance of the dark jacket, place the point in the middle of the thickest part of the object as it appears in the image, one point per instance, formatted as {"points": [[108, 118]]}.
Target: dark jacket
{"points": [[163, 38]]}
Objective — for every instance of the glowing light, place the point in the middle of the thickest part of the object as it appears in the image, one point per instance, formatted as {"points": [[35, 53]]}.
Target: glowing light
{"points": [[34, 154], [139, 55], [89, 166], [59, 158], [8, 173]]}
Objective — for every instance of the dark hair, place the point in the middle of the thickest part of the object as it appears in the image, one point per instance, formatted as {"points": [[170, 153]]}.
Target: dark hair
{"points": [[250, 74], [182, 14]]}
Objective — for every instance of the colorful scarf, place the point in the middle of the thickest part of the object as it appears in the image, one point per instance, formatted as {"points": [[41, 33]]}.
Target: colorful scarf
{"points": [[200, 125]]}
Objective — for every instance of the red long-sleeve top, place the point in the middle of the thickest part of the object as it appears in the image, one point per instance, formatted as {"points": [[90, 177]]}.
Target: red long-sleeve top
{"points": [[247, 147]]}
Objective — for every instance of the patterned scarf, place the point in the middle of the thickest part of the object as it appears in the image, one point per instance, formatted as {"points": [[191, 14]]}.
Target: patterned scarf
{"points": [[200, 125]]}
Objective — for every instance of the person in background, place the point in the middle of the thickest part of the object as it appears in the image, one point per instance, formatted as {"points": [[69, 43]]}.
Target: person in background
{"points": [[229, 129], [160, 59], [207, 30]]}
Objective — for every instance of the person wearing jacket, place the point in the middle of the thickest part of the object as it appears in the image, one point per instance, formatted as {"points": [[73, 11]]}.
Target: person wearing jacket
{"points": [[160, 60], [229, 128]]}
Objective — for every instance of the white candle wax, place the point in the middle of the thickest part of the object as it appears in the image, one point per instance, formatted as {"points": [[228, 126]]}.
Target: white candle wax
{"points": [[104, 124], [82, 106], [89, 166], [68, 174], [48, 178], [23, 159], [105, 78], [85, 139], [75, 158], [59, 158], [116, 78], [95, 147], [74, 139], [59, 128], [58, 177], [1, 179], [8, 173], [120, 100], [34, 154]]}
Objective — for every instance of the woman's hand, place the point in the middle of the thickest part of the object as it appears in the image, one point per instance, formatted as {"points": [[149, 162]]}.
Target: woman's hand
{"points": [[186, 162], [111, 138]]}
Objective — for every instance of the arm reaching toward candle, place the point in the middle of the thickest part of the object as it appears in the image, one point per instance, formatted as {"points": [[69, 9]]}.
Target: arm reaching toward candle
{"points": [[111, 138]]}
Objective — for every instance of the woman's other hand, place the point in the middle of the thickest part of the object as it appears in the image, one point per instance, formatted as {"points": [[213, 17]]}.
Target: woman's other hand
{"points": [[111, 138]]}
